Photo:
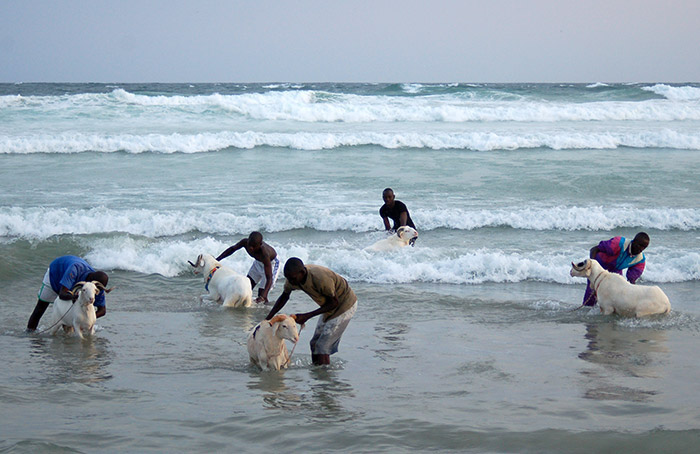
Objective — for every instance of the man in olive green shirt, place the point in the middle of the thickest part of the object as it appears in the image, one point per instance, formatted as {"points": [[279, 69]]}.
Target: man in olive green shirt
{"points": [[332, 293]]}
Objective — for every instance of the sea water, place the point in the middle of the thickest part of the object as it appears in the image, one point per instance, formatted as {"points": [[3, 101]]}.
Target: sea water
{"points": [[467, 342]]}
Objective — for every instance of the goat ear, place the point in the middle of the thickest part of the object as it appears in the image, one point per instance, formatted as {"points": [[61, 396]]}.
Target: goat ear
{"points": [[277, 318]]}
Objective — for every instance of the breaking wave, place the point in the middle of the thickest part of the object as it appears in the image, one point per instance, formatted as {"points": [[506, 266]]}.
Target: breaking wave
{"points": [[475, 141], [43, 223]]}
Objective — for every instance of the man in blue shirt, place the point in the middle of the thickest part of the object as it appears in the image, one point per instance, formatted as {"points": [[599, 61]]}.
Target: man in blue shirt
{"points": [[60, 278]]}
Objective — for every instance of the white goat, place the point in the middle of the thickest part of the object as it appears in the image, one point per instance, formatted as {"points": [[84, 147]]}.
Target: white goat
{"points": [[224, 284], [617, 295], [80, 315], [266, 345], [401, 238]]}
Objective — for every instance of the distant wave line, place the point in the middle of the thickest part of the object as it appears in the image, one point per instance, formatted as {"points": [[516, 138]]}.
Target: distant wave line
{"points": [[677, 104], [45, 223], [311, 141]]}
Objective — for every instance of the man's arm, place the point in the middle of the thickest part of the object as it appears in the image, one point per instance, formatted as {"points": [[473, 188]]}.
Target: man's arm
{"points": [[403, 219], [279, 304], [331, 304], [633, 272], [67, 295], [101, 311], [267, 264], [231, 250], [387, 225]]}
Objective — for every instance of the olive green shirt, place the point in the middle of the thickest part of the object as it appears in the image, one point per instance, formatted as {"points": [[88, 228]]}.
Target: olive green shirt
{"points": [[321, 284]]}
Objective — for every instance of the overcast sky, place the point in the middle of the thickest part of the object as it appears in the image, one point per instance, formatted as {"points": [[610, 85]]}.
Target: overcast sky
{"points": [[349, 40]]}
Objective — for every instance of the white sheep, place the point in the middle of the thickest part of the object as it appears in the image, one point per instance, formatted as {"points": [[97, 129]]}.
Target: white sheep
{"points": [[401, 238], [266, 346], [224, 285], [617, 295], [80, 315]]}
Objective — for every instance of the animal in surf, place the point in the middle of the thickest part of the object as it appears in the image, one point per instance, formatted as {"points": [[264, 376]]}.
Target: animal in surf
{"points": [[266, 342], [77, 315], [60, 277], [225, 286], [403, 237], [616, 295]]}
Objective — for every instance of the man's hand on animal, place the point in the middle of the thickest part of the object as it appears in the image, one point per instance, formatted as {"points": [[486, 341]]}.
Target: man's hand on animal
{"points": [[301, 318]]}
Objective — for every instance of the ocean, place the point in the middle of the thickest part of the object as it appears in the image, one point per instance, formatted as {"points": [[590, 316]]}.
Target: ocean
{"points": [[467, 342]]}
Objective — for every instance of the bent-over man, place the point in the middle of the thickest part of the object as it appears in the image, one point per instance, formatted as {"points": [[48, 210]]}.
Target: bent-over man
{"points": [[617, 254], [265, 268], [337, 305], [60, 278]]}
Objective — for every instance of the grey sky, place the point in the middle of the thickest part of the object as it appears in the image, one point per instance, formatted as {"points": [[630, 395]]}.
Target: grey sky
{"points": [[363, 41]]}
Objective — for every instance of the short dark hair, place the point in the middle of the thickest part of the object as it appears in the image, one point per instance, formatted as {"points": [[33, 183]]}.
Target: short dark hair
{"points": [[255, 236], [99, 276], [293, 266], [642, 236], [387, 190]]}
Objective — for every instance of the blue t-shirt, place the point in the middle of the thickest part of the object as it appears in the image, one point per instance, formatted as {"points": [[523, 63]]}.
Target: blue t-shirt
{"points": [[68, 270]]}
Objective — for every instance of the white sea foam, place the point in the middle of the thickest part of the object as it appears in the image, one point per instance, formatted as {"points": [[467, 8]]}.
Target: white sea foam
{"points": [[412, 88], [685, 93], [44, 223], [597, 85], [169, 258], [74, 142], [323, 107]]}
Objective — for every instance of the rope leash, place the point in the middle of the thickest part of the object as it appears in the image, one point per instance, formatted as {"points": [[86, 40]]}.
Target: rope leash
{"points": [[584, 303], [286, 363], [59, 320], [593, 294]]}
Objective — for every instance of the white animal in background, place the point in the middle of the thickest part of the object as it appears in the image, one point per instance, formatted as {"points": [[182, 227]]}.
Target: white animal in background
{"points": [[79, 316], [401, 238], [617, 295], [224, 285], [266, 345]]}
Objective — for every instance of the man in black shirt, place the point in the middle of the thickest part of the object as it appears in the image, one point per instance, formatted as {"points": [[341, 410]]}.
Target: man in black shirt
{"points": [[396, 211]]}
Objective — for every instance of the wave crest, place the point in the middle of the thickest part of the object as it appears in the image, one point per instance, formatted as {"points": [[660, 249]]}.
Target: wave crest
{"points": [[474, 141], [44, 223], [686, 93]]}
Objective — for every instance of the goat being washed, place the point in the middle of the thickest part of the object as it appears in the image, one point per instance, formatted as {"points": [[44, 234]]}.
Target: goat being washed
{"points": [[78, 315], [616, 295]]}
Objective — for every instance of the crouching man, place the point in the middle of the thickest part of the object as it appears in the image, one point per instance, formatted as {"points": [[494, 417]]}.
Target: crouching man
{"points": [[332, 293], [60, 278]]}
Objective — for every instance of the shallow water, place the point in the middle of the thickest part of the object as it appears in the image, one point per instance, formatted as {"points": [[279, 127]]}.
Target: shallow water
{"points": [[494, 368], [468, 342]]}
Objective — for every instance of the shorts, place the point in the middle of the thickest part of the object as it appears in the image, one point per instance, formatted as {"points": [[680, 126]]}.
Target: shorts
{"points": [[327, 335], [257, 272], [46, 293]]}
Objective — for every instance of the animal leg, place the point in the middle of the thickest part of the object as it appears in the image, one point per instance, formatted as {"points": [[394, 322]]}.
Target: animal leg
{"points": [[78, 331], [54, 329], [608, 310], [262, 361]]}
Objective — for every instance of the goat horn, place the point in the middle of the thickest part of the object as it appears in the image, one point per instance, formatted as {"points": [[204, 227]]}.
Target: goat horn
{"points": [[192, 264], [100, 286]]}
